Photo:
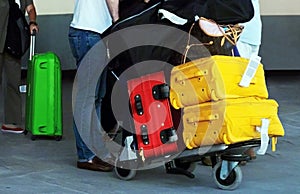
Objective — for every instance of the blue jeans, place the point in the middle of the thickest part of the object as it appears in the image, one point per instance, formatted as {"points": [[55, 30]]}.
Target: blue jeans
{"points": [[81, 41]]}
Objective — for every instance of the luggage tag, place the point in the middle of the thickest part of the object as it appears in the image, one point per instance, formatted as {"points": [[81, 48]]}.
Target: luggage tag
{"points": [[264, 136], [127, 153], [172, 17], [22, 88], [250, 71]]}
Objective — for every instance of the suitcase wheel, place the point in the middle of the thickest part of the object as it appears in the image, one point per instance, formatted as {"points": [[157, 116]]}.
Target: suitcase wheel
{"points": [[25, 132], [161, 91], [168, 135], [33, 137], [231, 182], [58, 138]]}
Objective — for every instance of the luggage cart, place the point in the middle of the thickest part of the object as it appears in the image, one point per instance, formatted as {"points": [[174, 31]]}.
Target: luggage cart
{"points": [[226, 172]]}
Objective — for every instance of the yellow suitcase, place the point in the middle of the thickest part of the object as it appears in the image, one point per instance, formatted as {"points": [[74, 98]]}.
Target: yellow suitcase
{"points": [[229, 121], [213, 78]]}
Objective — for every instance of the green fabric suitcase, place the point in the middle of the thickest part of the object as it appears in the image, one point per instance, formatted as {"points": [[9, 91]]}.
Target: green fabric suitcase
{"points": [[43, 115]]}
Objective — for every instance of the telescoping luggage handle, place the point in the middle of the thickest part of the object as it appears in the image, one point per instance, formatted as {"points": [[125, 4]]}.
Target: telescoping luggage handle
{"points": [[23, 88], [32, 45]]}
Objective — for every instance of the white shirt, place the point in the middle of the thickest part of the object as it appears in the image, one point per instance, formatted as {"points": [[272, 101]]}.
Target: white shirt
{"points": [[253, 29], [92, 15]]}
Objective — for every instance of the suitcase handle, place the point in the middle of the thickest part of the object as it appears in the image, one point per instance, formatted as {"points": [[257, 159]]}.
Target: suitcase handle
{"points": [[138, 105], [198, 73], [203, 118], [32, 44]]}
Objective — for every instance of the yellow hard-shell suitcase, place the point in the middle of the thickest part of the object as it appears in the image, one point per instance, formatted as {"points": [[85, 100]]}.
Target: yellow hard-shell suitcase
{"points": [[213, 78], [229, 121]]}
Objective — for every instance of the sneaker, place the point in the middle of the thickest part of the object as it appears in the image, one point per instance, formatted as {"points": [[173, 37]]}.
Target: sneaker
{"points": [[11, 129]]}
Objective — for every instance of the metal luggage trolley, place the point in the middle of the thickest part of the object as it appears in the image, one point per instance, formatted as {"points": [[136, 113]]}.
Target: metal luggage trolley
{"points": [[149, 145], [226, 171], [225, 158]]}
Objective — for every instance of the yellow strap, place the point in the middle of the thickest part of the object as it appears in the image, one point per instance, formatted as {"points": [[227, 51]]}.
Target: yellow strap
{"points": [[274, 142]]}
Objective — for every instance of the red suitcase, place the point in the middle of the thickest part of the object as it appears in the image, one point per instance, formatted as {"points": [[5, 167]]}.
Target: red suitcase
{"points": [[150, 108]]}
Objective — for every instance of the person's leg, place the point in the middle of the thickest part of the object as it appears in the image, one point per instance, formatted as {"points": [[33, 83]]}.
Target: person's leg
{"points": [[1, 65], [2, 91], [83, 152], [81, 42], [101, 84], [12, 96], [78, 48]]}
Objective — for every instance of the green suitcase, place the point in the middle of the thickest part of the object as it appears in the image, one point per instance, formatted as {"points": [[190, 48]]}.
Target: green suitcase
{"points": [[43, 116]]}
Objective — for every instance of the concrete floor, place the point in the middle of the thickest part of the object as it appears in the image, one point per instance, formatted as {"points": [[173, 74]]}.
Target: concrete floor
{"points": [[48, 166]]}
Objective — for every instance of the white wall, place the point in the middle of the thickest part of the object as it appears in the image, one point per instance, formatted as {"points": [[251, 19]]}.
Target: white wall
{"points": [[51, 7], [280, 7]]}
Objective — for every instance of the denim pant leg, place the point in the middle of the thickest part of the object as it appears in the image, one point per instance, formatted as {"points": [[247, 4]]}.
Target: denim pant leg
{"points": [[100, 92], [83, 152], [81, 42]]}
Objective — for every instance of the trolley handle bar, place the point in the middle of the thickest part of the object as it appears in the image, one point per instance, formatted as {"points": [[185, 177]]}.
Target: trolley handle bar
{"points": [[32, 44]]}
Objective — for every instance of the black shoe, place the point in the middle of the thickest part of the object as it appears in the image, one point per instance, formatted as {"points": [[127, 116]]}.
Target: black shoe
{"points": [[96, 164]]}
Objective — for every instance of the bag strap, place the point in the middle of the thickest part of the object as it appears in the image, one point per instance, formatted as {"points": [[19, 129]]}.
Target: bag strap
{"points": [[188, 45], [232, 33]]}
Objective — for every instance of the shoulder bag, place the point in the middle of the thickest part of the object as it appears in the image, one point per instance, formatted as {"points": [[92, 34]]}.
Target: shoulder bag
{"points": [[18, 32]]}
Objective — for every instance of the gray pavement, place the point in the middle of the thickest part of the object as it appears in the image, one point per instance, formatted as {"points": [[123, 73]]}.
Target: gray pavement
{"points": [[48, 166]]}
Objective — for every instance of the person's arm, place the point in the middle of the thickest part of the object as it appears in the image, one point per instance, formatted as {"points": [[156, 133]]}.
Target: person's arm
{"points": [[32, 18], [113, 6]]}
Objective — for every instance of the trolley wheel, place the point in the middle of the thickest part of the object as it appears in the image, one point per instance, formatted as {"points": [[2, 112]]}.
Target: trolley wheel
{"points": [[33, 137], [25, 132], [123, 173], [58, 138], [233, 180], [188, 166], [161, 91]]}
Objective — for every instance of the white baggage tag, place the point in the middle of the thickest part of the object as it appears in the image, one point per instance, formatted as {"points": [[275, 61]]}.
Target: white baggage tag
{"points": [[250, 71], [127, 153], [264, 136], [172, 17], [22, 88]]}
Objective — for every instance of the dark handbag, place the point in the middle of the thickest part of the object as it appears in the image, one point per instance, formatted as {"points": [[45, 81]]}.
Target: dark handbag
{"points": [[18, 32]]}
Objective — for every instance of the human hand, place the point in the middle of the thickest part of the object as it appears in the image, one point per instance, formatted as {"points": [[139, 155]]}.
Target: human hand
{"points": [[33, 27]]}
